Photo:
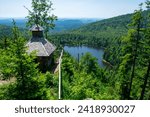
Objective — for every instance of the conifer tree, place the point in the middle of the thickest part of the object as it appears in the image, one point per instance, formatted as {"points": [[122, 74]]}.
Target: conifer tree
{"points": [[21, 66], [137, 23], [146, 55], [131, 52]]}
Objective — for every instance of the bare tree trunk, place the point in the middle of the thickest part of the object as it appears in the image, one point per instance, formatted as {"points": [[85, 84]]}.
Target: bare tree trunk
{"points": [[145, 82]]}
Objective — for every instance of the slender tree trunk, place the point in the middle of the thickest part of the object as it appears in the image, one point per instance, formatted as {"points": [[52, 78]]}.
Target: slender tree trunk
{"points": [[145, 82], [134, 59]]}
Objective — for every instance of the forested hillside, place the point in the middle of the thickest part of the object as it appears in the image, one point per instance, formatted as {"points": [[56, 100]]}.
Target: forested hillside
{"points": [[126, 43], [4, 30], [125, 39], [106, 33]]}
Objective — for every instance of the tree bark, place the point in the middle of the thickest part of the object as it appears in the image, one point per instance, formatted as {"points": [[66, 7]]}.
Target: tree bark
{"points": [[135, 57], [145, 82]]}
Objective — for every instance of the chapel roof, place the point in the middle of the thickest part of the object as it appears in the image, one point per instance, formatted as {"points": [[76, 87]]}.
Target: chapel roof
{"points": [[39, 44]]}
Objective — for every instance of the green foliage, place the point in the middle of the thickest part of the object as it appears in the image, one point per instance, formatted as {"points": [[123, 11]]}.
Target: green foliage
{"points": [[127, 54], [40, 14], [16, 63], [4, 30], [145, 59], [88, 63], [85, 80], [106, 33], [3, 90]]}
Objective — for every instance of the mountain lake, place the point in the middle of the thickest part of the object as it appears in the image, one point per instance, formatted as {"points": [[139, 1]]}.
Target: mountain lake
{"points": [[76, 51]]}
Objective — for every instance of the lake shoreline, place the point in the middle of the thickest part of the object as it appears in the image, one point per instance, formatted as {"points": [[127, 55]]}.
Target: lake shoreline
{"points": [[78, 51], [107, 63]]}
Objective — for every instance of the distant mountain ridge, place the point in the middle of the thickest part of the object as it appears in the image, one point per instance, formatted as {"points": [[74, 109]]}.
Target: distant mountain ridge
{"points": [[101, 33], [111, 25], [62, 24], [108, 28]]}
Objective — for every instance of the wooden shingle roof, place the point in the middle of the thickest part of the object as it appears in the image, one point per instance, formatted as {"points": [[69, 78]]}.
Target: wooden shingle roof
{"points": [[39, 44], [42, 46]]}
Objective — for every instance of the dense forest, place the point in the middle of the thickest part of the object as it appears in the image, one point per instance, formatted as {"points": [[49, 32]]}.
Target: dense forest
{"points": [[124, 40], [126, 43]]}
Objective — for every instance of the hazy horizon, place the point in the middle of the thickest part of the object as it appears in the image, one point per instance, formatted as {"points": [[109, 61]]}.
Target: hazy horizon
{"points": [[73, 9], [58, 18]]}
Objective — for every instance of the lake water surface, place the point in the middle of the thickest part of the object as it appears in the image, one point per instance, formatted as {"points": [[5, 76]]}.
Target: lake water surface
{"points": [[81, 50]]}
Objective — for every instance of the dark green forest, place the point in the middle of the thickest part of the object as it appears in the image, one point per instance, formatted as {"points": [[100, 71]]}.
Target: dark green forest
{"points": [[126, 43]]}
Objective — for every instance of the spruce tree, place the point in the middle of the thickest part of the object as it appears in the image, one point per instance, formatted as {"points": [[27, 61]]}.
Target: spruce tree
{"points": [[146, 55], [131, 52], [20, 65]]}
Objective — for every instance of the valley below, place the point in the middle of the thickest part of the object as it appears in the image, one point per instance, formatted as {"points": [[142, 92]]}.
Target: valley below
{"points": [[78, 51]]}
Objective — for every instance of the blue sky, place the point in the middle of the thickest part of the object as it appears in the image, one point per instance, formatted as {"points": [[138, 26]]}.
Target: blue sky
{"points": [[73, 8]]}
